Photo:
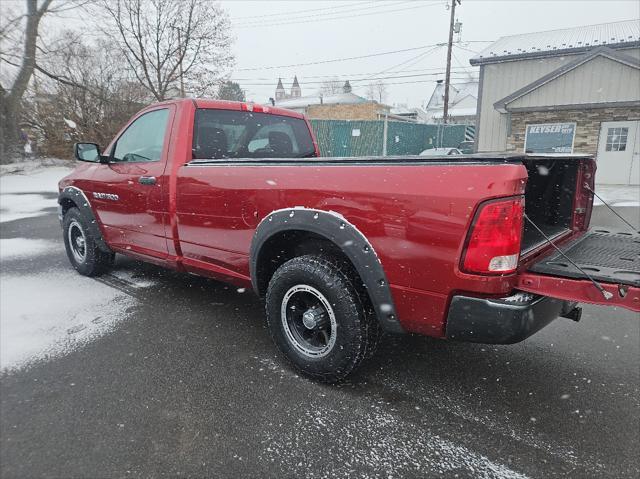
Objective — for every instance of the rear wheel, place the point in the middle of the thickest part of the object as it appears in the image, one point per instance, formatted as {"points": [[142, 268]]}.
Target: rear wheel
{"points": [[82, 249], [317, 319]]}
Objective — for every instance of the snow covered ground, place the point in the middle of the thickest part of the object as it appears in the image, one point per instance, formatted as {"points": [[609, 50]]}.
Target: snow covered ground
{"points": [[47, 313], [617, 195], [22, 186]]}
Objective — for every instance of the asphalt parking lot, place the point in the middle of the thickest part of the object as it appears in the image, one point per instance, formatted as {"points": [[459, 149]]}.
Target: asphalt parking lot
{"points": [[188, 383]]}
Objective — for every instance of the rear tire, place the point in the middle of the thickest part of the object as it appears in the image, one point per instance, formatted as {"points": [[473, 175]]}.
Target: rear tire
{"points": [[317, 318], [82, 248]]}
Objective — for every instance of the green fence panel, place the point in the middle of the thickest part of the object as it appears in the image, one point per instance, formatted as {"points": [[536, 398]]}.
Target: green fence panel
{"points": [[365, 137], [348, 138], [406, 138]]}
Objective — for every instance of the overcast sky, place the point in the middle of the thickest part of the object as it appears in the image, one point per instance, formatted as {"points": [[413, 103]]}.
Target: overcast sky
{"points": [[269, 34], [339, 29]]}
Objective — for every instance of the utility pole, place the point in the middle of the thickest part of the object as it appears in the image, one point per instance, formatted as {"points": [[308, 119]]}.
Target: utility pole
{"points": [[447, 78]]}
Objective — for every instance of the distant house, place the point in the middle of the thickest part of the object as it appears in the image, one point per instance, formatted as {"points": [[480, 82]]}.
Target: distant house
{"points": [[340, 106], [405, 113], [463, 100], [564, 91]]}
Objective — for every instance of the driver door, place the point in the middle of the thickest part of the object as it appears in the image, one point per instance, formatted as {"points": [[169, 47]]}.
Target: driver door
{"points": [[130, 192]]}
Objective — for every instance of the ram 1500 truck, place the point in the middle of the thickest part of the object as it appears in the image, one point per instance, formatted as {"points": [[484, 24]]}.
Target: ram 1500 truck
{"points": [[456, 247]]}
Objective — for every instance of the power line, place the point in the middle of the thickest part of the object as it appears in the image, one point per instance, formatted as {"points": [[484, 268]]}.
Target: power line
{"points": [[334, 60], [417, 57], [467, 49], [461, 65], [370, 55], [300, 11], [316, 20], [331, 76], [293, 18], [412, 82], [356, 80]]}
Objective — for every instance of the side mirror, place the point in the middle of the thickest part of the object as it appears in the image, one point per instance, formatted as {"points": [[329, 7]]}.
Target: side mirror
{"points": [[87, 152]]}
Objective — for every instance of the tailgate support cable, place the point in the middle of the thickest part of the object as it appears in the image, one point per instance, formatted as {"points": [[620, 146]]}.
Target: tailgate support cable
{"points": [[607, 295], [612, 210]]}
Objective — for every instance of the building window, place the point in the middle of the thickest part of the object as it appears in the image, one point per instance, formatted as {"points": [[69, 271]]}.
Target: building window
{"points": [[617, 139]]}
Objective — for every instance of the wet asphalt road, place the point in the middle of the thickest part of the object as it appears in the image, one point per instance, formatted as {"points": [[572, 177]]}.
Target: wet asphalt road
{"points": [[189, 385]]}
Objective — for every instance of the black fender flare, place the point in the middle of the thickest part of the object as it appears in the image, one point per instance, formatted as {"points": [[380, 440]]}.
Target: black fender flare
{"points": [[347, 238], [79, 199]]}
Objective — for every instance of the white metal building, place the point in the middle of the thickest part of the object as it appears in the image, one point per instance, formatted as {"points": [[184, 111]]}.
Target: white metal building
{"points": [[570, 90]]}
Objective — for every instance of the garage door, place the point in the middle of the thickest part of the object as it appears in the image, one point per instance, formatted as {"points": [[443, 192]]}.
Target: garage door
{"points": [[619, 153]]}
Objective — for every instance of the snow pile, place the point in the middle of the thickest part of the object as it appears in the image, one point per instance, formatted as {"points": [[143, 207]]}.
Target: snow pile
{"points": [[70, 310], [618, 195]]}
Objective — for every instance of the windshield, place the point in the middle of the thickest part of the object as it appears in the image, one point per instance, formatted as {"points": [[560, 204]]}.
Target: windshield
{"points": [[241, 134]]}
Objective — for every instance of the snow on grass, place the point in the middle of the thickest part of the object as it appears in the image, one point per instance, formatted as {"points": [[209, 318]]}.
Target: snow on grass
{"points": [[618, 195], [33, 165], [20, 190], [40, 180], [50, 314], [14, 248]]}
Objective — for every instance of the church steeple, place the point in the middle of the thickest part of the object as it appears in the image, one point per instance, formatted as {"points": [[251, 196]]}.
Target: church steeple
{"points": [[280, 93], [296, 91]]}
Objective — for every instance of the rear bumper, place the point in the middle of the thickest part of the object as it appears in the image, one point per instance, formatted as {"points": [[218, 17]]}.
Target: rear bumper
{"points": [[502, 321]]}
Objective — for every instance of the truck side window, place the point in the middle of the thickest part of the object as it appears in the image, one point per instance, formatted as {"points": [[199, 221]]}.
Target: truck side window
{"points": [[144, 138]]}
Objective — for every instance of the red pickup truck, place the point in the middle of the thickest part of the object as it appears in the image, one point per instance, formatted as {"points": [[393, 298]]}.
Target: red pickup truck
{"points": [[460, 247]]}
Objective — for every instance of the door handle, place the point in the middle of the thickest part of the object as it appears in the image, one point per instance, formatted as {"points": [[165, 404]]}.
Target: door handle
{"points": [[147, 180]]}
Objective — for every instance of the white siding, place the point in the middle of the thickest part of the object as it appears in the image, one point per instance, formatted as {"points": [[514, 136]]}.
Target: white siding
{"points": [[597, 81], [502, 79]]}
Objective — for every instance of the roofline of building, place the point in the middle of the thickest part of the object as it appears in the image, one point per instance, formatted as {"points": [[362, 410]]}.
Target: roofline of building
{"points": [[577, 106], [607, 52], [476, 61]]}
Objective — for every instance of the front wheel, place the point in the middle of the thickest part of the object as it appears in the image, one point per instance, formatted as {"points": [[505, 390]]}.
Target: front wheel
{"points": [[82, 249], [317, 319]]}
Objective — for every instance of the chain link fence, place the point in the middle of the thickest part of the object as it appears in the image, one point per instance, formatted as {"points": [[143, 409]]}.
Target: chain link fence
{"points": [[367, 137]]}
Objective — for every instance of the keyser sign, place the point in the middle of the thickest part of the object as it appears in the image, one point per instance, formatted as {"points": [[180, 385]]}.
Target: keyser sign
{"points": [[550, 138]]}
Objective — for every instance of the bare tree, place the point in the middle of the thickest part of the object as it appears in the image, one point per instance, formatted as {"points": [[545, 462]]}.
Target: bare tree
{"points": [[11, 95], [85, 95], [172, 46], [377, 91], [20, 47], [331, 86]]}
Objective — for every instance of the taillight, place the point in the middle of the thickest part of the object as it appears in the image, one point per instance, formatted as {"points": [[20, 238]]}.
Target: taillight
{"points": [[493, 245]]}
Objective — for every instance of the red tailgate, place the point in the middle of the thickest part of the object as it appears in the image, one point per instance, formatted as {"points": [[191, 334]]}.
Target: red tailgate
{"points": [[610, 259]]}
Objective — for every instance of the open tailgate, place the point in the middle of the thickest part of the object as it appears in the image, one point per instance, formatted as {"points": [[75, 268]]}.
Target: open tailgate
{"points": [[610, 258]]}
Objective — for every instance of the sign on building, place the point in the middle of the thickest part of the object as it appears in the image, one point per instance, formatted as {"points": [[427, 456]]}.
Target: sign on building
{"points": [[549, 138]]}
